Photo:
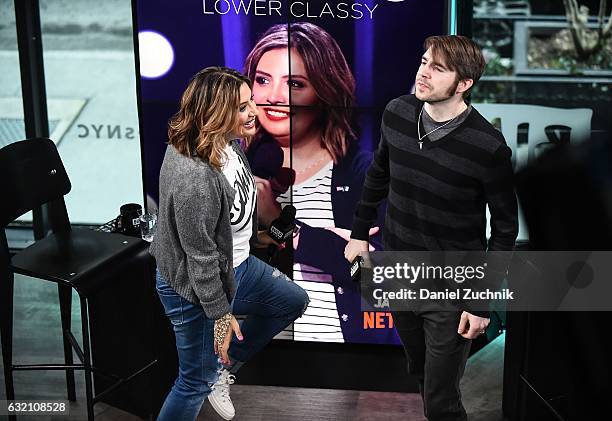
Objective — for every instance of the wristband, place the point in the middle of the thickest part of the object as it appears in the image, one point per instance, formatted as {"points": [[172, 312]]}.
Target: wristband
{"points": [[221, 327]]}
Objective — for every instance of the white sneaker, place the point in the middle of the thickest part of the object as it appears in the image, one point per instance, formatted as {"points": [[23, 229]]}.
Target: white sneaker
{"points": [[219, 398]]}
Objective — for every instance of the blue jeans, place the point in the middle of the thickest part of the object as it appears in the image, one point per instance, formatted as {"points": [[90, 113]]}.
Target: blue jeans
{"points": [[269, 299]]}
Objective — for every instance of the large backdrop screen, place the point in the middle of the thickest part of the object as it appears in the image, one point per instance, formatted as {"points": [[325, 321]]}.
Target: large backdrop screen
{"points": [[322, 73]]}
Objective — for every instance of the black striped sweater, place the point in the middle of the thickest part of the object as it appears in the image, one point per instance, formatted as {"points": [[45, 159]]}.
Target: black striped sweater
{"points": [[437, 192]]}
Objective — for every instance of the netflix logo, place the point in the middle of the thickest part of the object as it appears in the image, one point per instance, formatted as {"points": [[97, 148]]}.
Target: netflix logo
{"points": [[377, 320]]}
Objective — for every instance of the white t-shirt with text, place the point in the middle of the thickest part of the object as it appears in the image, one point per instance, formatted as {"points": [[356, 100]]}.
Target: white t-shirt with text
{"points": [[240, 178]]}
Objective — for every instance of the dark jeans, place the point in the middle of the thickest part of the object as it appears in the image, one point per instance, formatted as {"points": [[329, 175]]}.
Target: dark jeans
{"points": [[436, 356]]}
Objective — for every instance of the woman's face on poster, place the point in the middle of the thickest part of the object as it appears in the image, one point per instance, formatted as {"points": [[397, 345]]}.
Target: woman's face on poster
{"points": [[284, 98]]}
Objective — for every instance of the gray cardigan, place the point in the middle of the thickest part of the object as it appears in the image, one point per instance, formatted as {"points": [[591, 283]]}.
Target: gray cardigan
{"points": [[193, 242]]}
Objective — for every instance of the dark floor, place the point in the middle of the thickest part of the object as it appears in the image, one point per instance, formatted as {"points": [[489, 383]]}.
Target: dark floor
{"points": [[36, 337]]}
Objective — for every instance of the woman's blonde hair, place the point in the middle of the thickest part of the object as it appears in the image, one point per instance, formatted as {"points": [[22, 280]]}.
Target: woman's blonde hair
{"points": [[208, 113], [328, 72]]}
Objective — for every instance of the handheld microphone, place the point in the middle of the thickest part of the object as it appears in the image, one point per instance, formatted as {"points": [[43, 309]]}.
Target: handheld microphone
{"points": [[281, 229], [265, 157], [285, 178], [356, 268], [361, 265]]}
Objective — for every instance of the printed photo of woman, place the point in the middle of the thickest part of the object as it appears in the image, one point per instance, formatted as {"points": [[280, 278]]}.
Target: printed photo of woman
{"points": [[305, 93]]}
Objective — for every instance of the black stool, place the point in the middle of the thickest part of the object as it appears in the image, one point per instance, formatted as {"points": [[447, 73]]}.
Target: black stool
{"points": [[31, 175]]}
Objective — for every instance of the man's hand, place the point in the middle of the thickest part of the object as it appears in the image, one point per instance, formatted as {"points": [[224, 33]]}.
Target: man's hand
{"points": [[353, 248], [470, 326], [346, 234]]}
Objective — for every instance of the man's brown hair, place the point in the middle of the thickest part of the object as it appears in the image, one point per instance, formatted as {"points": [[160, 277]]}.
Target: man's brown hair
{"points": [[459, 54]]}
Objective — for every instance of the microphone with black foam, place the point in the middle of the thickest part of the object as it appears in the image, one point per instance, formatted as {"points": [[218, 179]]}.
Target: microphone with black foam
{"points": [[281, 229]]}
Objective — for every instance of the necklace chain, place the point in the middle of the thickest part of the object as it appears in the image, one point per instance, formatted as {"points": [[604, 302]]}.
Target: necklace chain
{"points": [[430, 132], [313, 164]]}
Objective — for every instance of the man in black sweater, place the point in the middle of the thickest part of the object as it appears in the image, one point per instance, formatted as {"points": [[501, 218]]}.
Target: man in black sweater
{"points": [[439, 163]]}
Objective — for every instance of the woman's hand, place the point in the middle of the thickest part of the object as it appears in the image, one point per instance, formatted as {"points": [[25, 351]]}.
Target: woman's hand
{"points": [[268, 209], [264, 240], [224, 327]]}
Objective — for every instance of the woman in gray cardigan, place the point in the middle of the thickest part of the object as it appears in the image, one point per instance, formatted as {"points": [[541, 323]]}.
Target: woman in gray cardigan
{"points": [[207, 220]]}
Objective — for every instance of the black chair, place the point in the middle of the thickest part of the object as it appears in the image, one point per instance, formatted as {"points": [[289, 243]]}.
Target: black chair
{"points": [[31, 175]]}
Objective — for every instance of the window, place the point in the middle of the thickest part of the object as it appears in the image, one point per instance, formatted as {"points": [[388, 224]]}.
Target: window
{"points": [[537, 89], [11, 108], [91, 101]]}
